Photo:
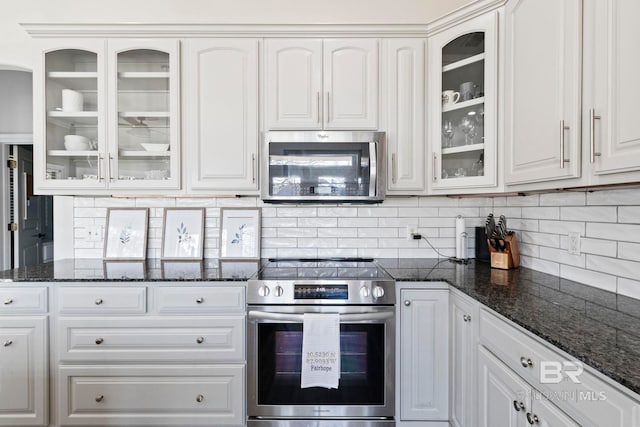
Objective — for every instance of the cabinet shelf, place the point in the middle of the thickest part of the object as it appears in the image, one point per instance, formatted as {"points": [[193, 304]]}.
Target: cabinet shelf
{"points": [[143, 75], [144, 154], [464, 104], [77, 80], [66, 119], [463, 149], [463, 62], [69, 153], [145, 114]]}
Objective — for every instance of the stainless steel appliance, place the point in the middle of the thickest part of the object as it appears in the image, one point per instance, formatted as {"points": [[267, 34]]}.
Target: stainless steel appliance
{"points": [[364, 296], [323, 166]]}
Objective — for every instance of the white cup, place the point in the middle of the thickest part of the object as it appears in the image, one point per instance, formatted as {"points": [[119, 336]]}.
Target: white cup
{"points": [[450, 97], [72, 101], [76, 143]]}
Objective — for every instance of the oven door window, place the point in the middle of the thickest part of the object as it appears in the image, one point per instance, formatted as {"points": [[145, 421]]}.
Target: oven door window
{"points": [[362, 361], [317, 169]]}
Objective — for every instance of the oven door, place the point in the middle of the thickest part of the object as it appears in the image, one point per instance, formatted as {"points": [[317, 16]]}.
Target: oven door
{"points": [[367, 376]]}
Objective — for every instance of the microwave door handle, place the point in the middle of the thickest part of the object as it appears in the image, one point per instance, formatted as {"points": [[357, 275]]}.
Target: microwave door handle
{"points": [[373, 165], [289, 317]]}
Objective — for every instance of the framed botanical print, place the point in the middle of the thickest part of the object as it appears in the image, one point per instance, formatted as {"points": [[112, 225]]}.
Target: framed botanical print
{"points": [[240, 233], [126, 236], [183, 234]]}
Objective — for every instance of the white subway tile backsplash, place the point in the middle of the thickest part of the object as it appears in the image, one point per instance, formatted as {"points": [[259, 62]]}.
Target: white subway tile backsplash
{"points": [[565, 198], [531, 200], [297, 253], [627, 196], [280, 243], [296, 232], [358, 243], [357, 222], [297, 212], [90, 212], [109, 202], [596, 246], [589, 213], [630, 251], [540, 213], [540, 239], [237, 202], [398, 222], [318, 243], [622, 232], [614, 266], [589, 277], [627, 287], [338, 232], [377, 212], [377, 232], [155, 202], [561, 227], [438, 202], [541, 265], [317, 222], [280, 222], [454, 212], [198, 202], [417, 212], [629, 214], [337, 253], [402, 202], [377, 253], [563, 257], [338, 212]]}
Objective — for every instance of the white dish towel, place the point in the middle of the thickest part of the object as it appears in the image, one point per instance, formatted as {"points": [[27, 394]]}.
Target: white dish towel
{"points": [[320, 350]]}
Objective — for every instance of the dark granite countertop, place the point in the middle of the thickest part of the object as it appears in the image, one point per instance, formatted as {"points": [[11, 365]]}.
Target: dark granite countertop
{"points": [[599, 328]]}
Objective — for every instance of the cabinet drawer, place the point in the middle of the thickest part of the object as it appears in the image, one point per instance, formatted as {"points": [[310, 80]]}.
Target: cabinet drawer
{"points": [[152, 339], [197, 300], [100, 300], [151, 395], [23, 300]]}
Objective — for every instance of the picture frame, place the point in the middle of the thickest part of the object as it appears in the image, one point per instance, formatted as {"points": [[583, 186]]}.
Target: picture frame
{"points": [[124, 270], [183, 270], [125, 238], [183, 234], [240, 233], [238, 270]]}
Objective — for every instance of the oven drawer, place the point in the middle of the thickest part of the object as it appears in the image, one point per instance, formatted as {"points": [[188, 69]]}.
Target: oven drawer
{"points": [[199, 300], [101, 300], [151, 395], [23, 300], [203, 339]]}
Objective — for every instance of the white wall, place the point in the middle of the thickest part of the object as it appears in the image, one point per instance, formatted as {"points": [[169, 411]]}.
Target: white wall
{"points": [[16, 102], [16, 46]]}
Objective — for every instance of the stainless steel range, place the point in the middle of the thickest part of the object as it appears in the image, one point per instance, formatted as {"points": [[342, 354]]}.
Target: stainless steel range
{"points": [[364, 296]]}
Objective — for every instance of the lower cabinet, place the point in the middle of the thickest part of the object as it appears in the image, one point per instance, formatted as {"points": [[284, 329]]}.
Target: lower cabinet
{"points": [[157, 355], [423, 331]]}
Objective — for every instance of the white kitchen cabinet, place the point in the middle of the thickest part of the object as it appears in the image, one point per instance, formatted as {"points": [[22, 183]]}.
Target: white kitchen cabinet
{"points": [[119, 100], [403, 114], [463, 348], [543, 90], [321, 84], [463, 87], [221, 114], [423, 392], [24, 361]]}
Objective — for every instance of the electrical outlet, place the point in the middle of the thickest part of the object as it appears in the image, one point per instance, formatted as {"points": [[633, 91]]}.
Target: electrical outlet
{"points": [[574, 243], [94, 233], [411, 229]]}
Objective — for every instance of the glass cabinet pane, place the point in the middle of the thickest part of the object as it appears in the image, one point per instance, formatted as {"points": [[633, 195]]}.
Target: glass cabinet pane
{"points": [[143, 115], [463, 106], [71, 137]]}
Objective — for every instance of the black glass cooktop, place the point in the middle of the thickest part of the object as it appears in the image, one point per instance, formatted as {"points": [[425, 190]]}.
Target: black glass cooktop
{"points": [[322, 269]]}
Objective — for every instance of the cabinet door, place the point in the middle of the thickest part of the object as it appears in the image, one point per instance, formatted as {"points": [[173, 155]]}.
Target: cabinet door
{"points": [[612, 87], [23, 371], [144, 116], [543, 90], [424, 363], [293, 83], [546, 414], [221, 116], [463, 63], [403, 97], [351, 83], [69, 116], [504, 398], [463, 350]]}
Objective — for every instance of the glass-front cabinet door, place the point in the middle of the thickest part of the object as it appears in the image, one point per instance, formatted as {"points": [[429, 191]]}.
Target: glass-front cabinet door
{"points": [[106, 121], [462, 103], [69, 116], [143, 107]]}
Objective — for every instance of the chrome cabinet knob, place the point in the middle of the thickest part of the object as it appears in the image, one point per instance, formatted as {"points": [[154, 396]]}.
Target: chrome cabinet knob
{"points": [[526, 362], [278, 291], [99, 398], [199, 398], [466, 318], [407, 302], [264, 291], [364, 292], [199, 300], [518, 406], [8, 301], [7, 343], [532, 418], [200, 340], [99, 301], [378, 292], [99, 341]]}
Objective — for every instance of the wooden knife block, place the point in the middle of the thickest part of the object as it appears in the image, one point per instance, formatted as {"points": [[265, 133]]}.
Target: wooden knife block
{"points": [[510, 257]]}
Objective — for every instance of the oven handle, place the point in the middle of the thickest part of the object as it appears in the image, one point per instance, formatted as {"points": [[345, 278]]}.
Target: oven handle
{"points": [[288, 317]]}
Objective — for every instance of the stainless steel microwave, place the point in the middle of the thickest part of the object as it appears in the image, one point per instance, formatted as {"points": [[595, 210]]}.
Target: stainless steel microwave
{"points": [[323, 166]]}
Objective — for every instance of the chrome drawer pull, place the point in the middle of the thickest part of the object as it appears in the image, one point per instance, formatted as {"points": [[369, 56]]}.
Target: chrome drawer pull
{"points": [[199, 398], [526, 362], [532, 419], [99, 398], [99, 301], [518, 406], [7, 343], [200, 340], [466, 318], [407, 303], [200, 300], [8, 301], [99, 341]]}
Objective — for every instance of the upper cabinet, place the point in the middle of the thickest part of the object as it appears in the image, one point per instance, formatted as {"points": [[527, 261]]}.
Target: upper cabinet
{"points": [[321, 84], [463, 63], [403, 114], [221, 114], [106, 116], [543, 89]]}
